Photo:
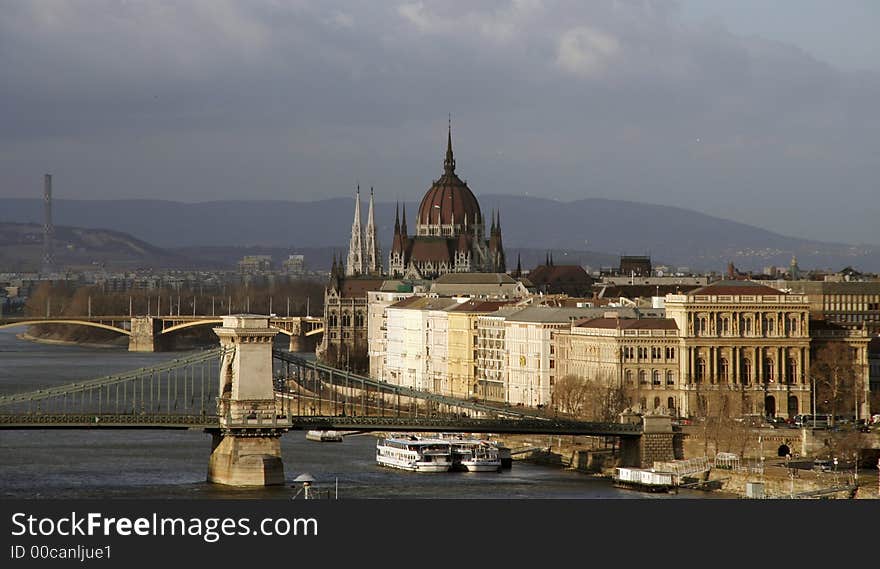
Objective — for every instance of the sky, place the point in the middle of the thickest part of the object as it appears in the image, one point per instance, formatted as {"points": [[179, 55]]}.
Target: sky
{"points": [[760, 112]]}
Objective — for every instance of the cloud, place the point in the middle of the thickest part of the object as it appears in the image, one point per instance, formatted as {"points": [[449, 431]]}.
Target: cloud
{"points": [[295, 99], [585, 51]]}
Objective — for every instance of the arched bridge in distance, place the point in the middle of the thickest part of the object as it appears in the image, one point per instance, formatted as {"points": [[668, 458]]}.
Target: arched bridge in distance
{"points": [[143, 331]]}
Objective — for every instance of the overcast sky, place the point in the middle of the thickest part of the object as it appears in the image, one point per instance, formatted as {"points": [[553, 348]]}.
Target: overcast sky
{"points": [[762, 112]]}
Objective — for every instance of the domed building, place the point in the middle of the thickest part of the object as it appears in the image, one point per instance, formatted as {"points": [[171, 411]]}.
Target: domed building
{"points": [[450, 235]]}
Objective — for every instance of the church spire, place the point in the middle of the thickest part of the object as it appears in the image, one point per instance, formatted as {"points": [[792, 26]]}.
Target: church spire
{"points": [[355, 262], [372, 257], [518, 272], [449, 163]]}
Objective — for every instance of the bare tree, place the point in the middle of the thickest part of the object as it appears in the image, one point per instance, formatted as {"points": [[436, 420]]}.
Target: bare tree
{"points": [[836, 378], [570, 394]]}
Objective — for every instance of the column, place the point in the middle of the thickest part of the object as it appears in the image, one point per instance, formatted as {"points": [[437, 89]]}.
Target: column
{"points": [[805, 366], [734, 363], [782, 364], [713, 374], [691, 363]]}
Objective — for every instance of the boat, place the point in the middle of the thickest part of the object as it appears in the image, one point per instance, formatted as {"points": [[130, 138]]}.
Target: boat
{"points": [[644, 479], [324, 436], [414, 454], [475, 456]]}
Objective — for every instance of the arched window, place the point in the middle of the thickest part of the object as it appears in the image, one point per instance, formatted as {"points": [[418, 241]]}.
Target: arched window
{"points": [[770, 326], [703, 326], [793, 326], [701, 370], [769, 369], [725, 326], [643, 377], [723, 370], [791, 371], [629, 376], [656, 402], [747, 327], [346, 319], [670, 404], [656, 377], [746, 377], [670, 378], [333, 320], [643, 403], [358, 320]]}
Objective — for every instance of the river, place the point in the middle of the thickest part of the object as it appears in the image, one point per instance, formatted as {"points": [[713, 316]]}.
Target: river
{"points": [[173, 464]]}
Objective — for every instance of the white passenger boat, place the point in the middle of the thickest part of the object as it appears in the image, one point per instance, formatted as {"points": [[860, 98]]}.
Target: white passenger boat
{"points": [[414, 454], [475, 456], [324, 436]]}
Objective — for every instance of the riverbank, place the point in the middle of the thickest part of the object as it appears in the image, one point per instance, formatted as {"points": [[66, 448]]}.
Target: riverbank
{"points": [[56, 342]]}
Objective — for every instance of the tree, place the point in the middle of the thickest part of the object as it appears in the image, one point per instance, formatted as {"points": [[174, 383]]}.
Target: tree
{"points": [[570, 394], [836, 376]]}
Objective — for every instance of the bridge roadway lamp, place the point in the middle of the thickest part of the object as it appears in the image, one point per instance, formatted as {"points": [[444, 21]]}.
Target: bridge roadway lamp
{"points": [[306, 479]]}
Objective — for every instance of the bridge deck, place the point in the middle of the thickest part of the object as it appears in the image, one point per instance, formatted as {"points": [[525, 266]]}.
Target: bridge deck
{"points": [[339, 423]]}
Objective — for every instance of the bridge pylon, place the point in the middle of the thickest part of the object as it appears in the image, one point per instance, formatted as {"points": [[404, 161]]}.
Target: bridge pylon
{"points": [[143, 334], [246, 450]]}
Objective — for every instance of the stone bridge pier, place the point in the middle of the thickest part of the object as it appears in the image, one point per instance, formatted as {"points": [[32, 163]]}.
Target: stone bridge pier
{"points": [[144, 330], [656, 443], [246, 450]]}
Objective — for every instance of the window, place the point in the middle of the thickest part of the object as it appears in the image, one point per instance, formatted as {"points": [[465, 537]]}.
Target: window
{"points": [[643, 377], [629, 377], [670, 353], [656, 402], [670, 403], [701, 370], [746, 371], [723, 368], [725, 326], [747, 327], [670, 378], [656, 377]]}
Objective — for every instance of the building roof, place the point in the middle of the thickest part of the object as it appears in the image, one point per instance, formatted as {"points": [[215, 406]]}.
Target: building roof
{"points": [[449, 200], [480, 306], [544, 274], [435, 249], [548, 314], [475, 278], [406, 302], [735, 288], [629, 323], [358, 287]]}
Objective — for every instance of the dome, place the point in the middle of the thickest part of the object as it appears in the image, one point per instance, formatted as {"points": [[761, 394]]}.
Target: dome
{"points": [[449, 198]]}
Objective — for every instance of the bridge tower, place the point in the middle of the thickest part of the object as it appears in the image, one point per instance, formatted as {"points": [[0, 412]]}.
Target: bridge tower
{"points": [[247, 449], [143, 334]]}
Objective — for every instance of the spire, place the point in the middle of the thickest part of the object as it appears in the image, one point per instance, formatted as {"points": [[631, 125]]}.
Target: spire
{"points": [[449, 163], [498, 225], [372, 255], [518, 272], [355, 262], [403, 223], [551, 258], [397, 218], [547, 259], [492, 230]]}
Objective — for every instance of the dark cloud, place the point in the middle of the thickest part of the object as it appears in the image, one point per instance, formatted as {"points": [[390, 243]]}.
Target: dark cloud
{"points": [[298, 100]]}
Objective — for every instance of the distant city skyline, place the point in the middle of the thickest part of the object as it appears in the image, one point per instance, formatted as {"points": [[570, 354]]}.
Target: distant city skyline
{"points": [[763, 114]]}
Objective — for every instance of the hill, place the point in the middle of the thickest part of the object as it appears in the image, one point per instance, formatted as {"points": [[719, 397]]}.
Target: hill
{"points": [[671, 235], [21, 249]]}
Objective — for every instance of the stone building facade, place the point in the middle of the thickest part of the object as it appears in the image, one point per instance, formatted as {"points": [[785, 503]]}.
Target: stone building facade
{"points": [[743, 337]]}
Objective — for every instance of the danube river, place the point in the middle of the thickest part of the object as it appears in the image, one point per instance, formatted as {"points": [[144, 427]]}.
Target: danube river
{"points": [[173, 464]]}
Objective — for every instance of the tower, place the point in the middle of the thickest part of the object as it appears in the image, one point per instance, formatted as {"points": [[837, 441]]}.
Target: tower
{"points": [[48, 265], [354, 265], [372, 254]]}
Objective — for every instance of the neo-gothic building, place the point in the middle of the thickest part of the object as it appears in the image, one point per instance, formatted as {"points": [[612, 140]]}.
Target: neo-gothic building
{"points": [[450, 234]]}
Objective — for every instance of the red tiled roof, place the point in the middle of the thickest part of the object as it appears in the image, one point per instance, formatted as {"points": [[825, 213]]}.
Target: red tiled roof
{"points": [[359, 287], [629, 323]]}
